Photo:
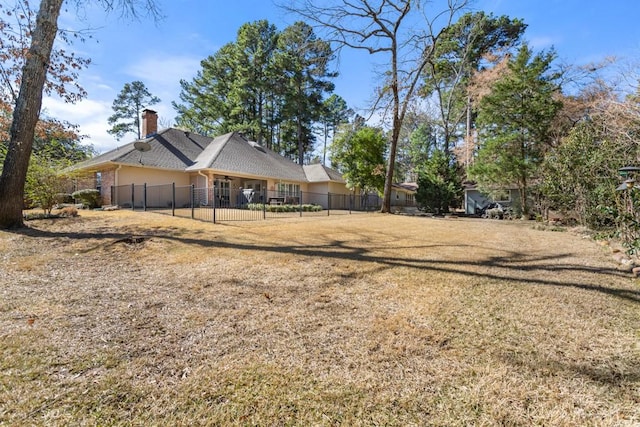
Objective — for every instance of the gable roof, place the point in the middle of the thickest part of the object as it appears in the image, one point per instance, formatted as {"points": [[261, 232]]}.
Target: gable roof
{"points": [[410, 187], [321, 173], [170, 149], [231, 153], [234, 154]]}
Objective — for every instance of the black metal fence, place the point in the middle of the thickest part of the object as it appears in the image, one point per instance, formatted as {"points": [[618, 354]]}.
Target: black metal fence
{"points": [[225, 203]]}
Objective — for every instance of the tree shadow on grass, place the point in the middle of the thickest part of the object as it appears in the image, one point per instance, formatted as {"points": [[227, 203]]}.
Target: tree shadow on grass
{"points": [[611, 370], [507, 266]]}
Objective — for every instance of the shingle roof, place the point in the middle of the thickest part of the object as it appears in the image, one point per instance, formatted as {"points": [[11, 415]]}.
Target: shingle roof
{"points": [[409, 186], [108, 157], [175, 149], [170, 149], [321, 173], [234, 154]]}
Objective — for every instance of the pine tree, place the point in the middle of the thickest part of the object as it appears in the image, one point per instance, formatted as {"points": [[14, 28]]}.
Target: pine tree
{"points": [[132, 99], [514, 122]]}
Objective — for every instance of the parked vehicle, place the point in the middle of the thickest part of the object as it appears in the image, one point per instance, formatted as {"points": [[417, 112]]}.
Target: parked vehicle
{"points": [[495, 210], [491, 210]]}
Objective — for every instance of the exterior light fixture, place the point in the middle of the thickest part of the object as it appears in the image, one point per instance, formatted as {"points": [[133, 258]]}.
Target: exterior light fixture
{"points": [[630, 183]]}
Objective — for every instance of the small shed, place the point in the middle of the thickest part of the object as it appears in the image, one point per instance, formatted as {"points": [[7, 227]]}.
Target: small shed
{"points": [[474, 199]]}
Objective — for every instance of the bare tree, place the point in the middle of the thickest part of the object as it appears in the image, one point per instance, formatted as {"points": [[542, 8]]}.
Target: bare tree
{"points": [[29, 102], [404, 31]]}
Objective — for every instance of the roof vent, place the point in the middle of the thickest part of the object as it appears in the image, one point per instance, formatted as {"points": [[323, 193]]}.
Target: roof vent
{"points": [[257, 146]]}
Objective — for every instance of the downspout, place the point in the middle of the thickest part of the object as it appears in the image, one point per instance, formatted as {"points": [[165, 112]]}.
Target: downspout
{"points": [[116, 174], [206, 186], [115, 181]]}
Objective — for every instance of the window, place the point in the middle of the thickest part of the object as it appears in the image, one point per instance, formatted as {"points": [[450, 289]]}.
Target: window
{"points": [[287, 189], [222, 191]]}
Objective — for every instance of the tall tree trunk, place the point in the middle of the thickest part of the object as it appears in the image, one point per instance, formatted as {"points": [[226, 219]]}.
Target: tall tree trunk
{"points": [[300, 142], [388, 181], [468, 139], [324, 150], [26, 113], [395, 132]]}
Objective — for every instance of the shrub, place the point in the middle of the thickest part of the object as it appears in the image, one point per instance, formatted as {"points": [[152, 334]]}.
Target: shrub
{"points": [[63, 198], [284, 208], [68, 212], [43, 182], [88, 197], [39, 215]]}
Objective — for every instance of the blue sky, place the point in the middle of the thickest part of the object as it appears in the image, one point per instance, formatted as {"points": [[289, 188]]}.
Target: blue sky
{"points": [[160, 54]]}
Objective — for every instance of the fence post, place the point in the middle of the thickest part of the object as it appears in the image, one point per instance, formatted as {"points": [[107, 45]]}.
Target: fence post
{"points": [[350, 202], [213, 201], [144, 197], [113, 196], [264, 203], [193, 208], [301, 193], [328, 204], [173, 199], [133, 200]]}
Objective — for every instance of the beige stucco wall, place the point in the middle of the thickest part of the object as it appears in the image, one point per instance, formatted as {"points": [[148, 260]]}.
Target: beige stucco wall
{"points": [[128, 175], [402, 197], [328, 187]]}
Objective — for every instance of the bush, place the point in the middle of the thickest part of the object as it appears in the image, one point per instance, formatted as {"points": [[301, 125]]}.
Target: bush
{"points": [[62, 198], [89, 197], [68, 212], [284, 208], [39, 215]]}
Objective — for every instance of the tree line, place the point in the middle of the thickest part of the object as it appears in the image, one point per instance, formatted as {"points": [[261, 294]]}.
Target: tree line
{"points": [[461, 97]]}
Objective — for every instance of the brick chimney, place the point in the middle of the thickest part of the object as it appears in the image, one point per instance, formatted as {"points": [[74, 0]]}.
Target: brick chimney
{"points": [[149, 122]]}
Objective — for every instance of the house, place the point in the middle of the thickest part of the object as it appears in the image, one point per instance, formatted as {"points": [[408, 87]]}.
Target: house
{"points": [[474, 199], [404, 194], [232, 167]]}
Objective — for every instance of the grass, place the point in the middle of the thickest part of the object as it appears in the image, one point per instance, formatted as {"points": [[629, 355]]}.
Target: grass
{"points": [[121, 318]]}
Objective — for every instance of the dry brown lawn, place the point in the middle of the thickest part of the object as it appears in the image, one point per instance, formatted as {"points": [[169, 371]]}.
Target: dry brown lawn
{"points": [[121, 318]]}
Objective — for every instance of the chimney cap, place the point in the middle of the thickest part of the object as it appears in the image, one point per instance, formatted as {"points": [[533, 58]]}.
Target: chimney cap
{"points": [[149, 110]]}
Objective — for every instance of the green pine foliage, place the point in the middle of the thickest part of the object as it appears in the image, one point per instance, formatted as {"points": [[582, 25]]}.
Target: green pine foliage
{"points": [[335, 112], [461, 49], [439, 186], [128, 105], [514, 124], [268, 85]]}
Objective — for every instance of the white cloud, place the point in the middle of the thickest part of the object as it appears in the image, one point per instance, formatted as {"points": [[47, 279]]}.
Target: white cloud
{"points": [[73, 112], [90, 115], [160, 73]]}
